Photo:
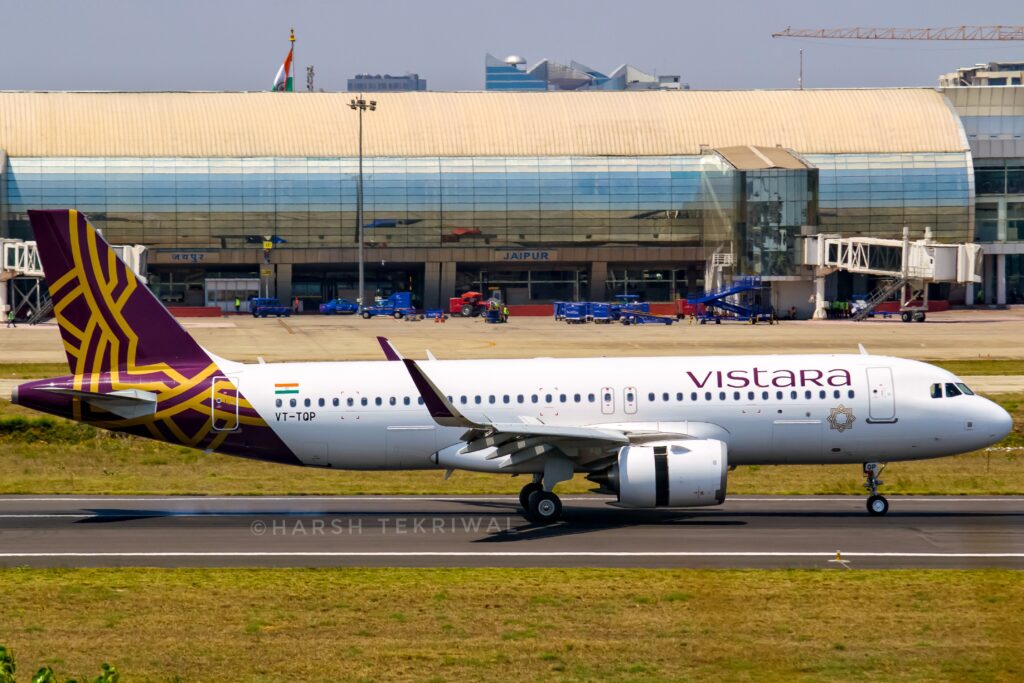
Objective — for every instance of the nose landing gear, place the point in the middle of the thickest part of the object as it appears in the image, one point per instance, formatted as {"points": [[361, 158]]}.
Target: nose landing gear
{"points": [[877, 504]]}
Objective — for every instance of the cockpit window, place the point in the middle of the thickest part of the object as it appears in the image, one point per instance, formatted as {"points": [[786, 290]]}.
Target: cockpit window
{"points": [[936, 391], [964, 388], [951, 390]]}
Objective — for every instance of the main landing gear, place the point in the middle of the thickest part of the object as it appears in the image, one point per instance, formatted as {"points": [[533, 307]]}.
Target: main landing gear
{"points": [[541, 505], [877, 504]]}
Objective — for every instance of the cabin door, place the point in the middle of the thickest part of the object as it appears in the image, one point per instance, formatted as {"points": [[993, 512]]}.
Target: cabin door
{"points": [[224, 403], [881, 397]]}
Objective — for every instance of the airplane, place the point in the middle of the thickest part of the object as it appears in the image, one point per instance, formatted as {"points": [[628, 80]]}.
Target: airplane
{"points": [[653, 432]]}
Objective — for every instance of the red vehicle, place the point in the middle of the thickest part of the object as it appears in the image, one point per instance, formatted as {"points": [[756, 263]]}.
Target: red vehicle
{"points": [[469, 305]]}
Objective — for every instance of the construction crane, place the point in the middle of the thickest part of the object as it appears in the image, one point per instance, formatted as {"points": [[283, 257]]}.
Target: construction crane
{"points": [[890, 33]]}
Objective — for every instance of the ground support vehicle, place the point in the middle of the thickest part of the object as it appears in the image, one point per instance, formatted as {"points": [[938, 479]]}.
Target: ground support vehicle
{"points": [[726, 303], [469, 305], [261, 307], [339, 307], [398, 305]]}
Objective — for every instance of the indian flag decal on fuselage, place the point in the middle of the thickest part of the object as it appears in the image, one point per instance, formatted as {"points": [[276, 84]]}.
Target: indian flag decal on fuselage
{"points": [[292, 388]]}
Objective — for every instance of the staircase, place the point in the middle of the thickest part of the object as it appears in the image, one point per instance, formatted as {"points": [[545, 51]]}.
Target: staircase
{"points": [[44, 313], [884, 291]]}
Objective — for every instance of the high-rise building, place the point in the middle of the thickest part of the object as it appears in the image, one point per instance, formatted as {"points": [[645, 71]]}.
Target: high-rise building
{"points": [[386, 83], [510, 74], [993, 73]]}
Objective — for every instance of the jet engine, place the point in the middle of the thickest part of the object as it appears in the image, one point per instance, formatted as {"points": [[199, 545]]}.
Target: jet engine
{"points": [[684, 473]]}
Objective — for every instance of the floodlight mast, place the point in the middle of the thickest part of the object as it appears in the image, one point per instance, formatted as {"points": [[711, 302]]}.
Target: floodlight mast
{"points": [[360, 105]]}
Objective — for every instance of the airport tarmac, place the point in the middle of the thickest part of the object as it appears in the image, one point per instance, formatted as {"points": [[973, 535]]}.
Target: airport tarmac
{"points": [[488, 531], [961, 334]]}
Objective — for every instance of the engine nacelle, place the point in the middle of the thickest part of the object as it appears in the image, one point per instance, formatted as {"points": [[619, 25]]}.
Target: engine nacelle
{"points": [[685, 473]]}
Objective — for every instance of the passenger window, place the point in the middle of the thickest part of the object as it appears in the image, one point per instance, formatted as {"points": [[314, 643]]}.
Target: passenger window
{"points": [[721, 395], [363, 401], [277, 403], [850, 393], [490, 399], [561, 398], [533, 398], [664, 397], [778, 395], [952, 391], [419, 400], [590, 398], [936, 391], [476, 400], [650, 397], [393, 401], [735, 395], [349, 402], [321, 403], [707, 395], [808, 394], [405, 400], [547, 398], [679, 396], [607, 398], [307, 402], [793, 395], [822, 394], [836, 394], [463, 400], [505, 398], [519, 398], [378, 401], [336, 401], [764, 395], [576, 398], [964, 388], [693, 395]]}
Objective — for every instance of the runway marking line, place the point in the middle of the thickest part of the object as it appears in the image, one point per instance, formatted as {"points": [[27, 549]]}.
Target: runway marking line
{"points": [[529, 554], [455, 499]]}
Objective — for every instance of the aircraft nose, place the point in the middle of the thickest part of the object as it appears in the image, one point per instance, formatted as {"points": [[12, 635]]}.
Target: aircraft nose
{"points": [[1000, 422]]}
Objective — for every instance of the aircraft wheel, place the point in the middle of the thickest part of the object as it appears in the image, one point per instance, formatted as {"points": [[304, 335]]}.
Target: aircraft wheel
{"points": [[524, 494], [877, 505], [543, 507]]}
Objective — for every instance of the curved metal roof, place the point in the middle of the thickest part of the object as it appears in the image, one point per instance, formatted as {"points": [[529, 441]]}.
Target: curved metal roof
{"points": [[83, 124]]}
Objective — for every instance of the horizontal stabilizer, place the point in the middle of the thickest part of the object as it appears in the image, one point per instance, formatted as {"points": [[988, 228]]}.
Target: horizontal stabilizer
{"points": [[128, 403]]}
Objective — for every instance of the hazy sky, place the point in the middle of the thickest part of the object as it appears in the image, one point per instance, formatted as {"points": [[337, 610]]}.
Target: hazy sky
{"points": [[238, 45]]}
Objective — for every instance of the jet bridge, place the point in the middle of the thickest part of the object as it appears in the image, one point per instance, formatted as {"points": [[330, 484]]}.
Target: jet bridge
{"points": [[907, 267], [21, 276]]}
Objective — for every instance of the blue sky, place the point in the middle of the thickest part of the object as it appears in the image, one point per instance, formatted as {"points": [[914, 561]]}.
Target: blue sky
{"points": [[238, 45]]}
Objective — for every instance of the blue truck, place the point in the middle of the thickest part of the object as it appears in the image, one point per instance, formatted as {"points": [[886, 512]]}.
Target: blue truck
{"points": [[261, 307], [339, 307], [398, 305]]}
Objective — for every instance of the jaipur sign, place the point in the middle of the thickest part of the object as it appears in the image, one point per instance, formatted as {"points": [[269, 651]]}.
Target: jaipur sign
{"points": [[526, 255]]}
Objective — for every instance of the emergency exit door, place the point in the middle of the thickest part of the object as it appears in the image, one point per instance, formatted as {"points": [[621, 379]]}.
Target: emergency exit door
{"points": [[607, 401], [629, 399], [881, 397], [224, 404]]}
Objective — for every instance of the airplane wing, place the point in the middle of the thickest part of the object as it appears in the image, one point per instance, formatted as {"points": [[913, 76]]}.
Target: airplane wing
{"points": [[519, 440]]}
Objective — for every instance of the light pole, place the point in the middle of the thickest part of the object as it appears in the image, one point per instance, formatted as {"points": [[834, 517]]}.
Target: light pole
{"points": [[361, 105]]}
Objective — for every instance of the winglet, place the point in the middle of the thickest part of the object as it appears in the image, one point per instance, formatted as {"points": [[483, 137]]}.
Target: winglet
{"points": [[863, 351], [390, 352], [439, 407]]}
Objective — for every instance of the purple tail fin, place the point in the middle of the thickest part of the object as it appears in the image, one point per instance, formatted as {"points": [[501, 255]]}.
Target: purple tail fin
{"points": [[108, 318]]}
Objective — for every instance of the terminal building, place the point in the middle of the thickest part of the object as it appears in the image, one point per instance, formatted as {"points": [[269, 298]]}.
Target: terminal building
{"points": [[542, 195]]}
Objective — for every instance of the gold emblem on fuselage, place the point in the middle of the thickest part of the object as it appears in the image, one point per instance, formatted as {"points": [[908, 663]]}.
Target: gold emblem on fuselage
{"points": [[841, 418]]}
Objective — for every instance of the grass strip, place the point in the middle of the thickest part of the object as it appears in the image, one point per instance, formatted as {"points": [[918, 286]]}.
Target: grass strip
{"points": [[505, 624]]}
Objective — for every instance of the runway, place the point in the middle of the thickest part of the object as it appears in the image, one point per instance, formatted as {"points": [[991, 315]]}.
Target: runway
{"points": [[488, 531]]}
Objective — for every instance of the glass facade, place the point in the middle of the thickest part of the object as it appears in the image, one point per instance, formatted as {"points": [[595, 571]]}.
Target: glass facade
{"points": [[232, 203]]}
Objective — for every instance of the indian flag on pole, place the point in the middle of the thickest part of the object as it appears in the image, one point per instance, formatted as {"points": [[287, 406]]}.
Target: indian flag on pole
{"points": [[283, 81], [289, 388]]}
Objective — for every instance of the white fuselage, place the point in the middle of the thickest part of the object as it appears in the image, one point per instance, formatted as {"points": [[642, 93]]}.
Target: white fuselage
{"points": [[767, 409]]}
